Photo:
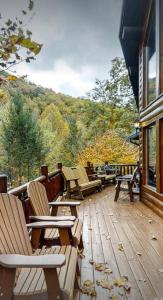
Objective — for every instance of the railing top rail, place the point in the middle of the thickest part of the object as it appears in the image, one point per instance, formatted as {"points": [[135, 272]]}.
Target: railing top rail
{"points": [[21, 189]]}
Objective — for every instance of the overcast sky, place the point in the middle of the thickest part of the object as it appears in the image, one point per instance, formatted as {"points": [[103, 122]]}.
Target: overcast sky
{"points": [[80, 38]]}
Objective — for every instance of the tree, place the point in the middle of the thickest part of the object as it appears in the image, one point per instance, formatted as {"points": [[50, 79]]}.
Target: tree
{"points": [[112, 147], [22, 141], [14, 36], [71, 143], [116, 90]]}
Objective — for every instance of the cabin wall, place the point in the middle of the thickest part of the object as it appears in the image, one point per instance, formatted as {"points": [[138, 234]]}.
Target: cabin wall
{"points": [[152, 113]]}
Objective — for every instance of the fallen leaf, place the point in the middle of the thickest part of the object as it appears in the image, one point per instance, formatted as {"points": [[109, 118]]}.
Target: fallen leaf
{"points": [[154, 237], [88, 288], [105, 284], [138, 253], [100, 267], [121, 281], [108, 271], [120, 247], [110, 214], [150, 221], [88, 283]]}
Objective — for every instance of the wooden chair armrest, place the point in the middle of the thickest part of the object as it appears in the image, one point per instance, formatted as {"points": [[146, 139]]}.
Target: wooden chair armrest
{"points": [[42, 225], [62, 203], [72, 179], [123, 179], [32, 261], [52, 218]]}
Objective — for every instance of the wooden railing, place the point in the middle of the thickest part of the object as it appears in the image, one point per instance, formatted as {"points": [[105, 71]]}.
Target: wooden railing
{"points": [[53, 182], [124, 169]]}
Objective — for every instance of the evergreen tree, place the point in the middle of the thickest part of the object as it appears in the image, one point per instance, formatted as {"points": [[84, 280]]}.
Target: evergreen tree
{"points": [[72, 143], [22, 141]]}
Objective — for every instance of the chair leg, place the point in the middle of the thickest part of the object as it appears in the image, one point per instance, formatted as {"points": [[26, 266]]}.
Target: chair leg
{"points": [[81, 245], [130, 192], [117, 191]]}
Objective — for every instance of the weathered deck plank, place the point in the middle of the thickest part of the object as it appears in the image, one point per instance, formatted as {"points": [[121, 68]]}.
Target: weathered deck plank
{"points": [[107, 225]]}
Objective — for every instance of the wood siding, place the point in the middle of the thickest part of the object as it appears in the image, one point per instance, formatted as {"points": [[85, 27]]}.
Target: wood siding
{"points": [[152, 113]]}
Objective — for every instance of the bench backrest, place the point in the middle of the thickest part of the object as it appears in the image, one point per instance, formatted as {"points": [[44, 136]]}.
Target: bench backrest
{"points": [[38, 198], [83, 177], [14, 237]]}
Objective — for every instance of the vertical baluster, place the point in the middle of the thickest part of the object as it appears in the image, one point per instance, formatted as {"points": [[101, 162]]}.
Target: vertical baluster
{"points": [[3, 183]]}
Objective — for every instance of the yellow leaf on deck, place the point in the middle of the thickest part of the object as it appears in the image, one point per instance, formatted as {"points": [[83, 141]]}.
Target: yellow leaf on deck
{"points": [[100, 267], [105, 284], [121, 281], [120, 247]]}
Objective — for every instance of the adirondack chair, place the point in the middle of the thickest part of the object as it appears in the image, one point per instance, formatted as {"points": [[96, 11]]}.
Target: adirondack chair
{"points": [[41, 208], [77, 181], [131, 185], [46, 274]]}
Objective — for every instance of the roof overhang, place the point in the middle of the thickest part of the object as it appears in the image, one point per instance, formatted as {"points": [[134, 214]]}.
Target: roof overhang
{"points": [[130, 35]]}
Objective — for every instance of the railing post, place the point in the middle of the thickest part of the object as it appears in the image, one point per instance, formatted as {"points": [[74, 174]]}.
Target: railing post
{"points": [[44, 172], [59, 166], [3, 183]]}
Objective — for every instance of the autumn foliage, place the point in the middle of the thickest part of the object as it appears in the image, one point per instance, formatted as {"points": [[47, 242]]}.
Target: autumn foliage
{"points": [[110, 147]]}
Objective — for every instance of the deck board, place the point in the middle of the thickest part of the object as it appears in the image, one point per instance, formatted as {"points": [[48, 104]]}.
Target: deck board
{"points": [[106, 224]]}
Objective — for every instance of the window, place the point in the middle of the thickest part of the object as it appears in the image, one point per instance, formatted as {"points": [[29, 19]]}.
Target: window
{"points": [[151, 58], [151, 155]]}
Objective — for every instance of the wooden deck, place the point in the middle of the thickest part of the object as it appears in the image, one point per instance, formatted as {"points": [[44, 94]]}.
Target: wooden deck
{"points": [[128, 238]]}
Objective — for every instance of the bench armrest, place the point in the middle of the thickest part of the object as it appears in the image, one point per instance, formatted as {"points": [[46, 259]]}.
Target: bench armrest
{"points": [[62, 203], [33, 261], [52, 218], [73, 179], [59, 224]]}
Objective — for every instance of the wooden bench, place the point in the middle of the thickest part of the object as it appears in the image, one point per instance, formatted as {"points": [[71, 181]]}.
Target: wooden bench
{"points": [[47, 211], [78, 182], [46, 274]]}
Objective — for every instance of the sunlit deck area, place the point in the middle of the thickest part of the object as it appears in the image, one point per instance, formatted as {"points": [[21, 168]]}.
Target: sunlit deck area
{"points": [[128, 238]]}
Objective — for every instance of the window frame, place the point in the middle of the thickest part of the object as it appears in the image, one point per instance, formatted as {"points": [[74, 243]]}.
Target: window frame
{"points": [[154, 5]]}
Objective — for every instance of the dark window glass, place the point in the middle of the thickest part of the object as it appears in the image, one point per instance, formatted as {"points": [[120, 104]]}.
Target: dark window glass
{"points": [[151, 155], [151, 58]]}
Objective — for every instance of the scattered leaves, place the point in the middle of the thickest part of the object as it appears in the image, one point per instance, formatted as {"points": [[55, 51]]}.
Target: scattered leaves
{"points": [[105, 284], [88, 288], [121, 281]]}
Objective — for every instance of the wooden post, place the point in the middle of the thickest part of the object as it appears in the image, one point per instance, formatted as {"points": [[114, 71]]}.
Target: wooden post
{"points": [[44, 172], [59, 166], [3, 183]]}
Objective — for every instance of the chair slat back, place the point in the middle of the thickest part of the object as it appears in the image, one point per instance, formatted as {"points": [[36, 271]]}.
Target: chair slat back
{"points": [[14, 237], [38, 198], [83, 177], [68, 173]]}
